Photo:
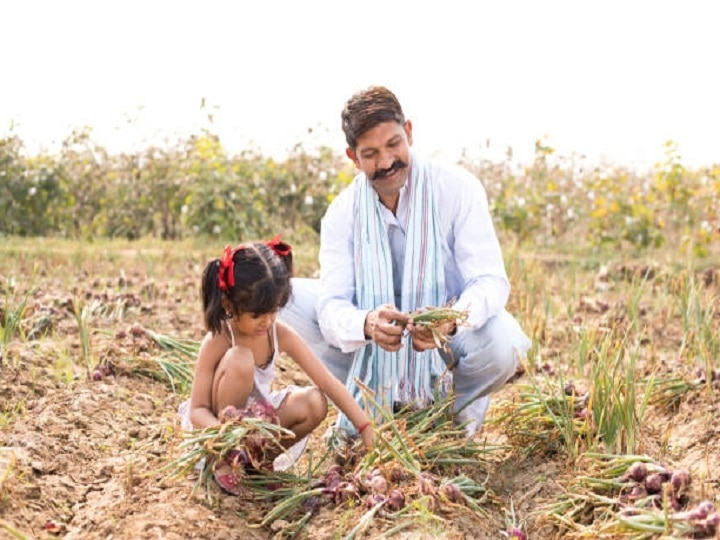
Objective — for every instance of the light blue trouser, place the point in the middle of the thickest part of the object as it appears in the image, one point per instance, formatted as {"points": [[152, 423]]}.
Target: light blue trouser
{"points": [[482, 359]]}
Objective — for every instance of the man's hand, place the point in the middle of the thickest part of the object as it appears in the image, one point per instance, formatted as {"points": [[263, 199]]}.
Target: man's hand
{"points": [[422, 336], [385, 326]]}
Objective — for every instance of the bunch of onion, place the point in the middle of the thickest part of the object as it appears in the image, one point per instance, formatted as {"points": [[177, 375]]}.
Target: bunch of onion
{"points": [[620, 487], [413, 449], [515, 533], [166, 368], [638, 480], [543, 417], [648, 485], [668, 393], [403, 473], [434, 318], [701, 376], [174, 364], [702, 521], [254, 432]]}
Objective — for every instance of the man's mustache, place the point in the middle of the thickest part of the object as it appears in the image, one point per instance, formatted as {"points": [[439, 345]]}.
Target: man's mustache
{"points": [[396, 166]]}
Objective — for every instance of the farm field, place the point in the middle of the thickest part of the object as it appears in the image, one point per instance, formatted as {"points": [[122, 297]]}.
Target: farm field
{"points": [[624, 370]]}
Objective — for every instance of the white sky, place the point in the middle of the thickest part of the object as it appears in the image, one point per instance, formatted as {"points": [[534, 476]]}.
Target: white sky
{"points": [[610, 79]]}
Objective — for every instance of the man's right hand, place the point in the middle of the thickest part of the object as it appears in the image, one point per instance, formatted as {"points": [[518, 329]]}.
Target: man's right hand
{"points": [[385, 325]]}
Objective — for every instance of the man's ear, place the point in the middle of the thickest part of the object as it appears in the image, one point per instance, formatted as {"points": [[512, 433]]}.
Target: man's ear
{"points": [[349, 152], [408, 131]]}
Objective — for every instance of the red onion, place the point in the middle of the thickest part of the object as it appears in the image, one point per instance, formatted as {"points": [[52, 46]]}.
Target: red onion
{"points": [[701, 511], [377, 484], [680, 480], [312, 504], [231, 413], [638, 492], [654, 482], [637, 471], [395, 500], [451, 492], [397, 474], [374, 499], [516, 533], [263, 409], [713, 520], [137, 330]]}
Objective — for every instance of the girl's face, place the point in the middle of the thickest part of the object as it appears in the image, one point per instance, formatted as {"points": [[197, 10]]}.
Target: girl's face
{"points": [[254, 324]]}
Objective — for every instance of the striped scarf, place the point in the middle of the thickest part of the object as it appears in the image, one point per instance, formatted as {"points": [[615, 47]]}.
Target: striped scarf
{"points": [[406, 376]]}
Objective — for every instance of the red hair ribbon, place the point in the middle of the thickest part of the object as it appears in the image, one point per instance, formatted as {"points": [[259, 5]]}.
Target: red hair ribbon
{"points": [[281, 248], [227, 265]]}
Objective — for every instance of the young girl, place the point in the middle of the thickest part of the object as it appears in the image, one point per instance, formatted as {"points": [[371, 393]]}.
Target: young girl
{"points": [[241, 295]]}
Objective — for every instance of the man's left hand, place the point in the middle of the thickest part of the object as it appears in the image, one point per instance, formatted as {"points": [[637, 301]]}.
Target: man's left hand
{"points": [[422, 336]]}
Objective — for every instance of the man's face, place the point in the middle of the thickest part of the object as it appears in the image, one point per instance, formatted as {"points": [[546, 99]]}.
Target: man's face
{"points": [[383, 154]]}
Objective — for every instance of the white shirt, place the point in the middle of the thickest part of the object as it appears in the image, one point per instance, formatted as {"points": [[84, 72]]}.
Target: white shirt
{"points": [[474, 268]]}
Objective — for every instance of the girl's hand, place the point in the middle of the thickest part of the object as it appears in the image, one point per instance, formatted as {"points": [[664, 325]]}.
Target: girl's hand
{"points": [[368, 437], [230, 414]]}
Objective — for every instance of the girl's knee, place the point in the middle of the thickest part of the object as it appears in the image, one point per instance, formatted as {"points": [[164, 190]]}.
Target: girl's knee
{"points": [[234, 379], [303, 410], [237, 364], [317, 405]]}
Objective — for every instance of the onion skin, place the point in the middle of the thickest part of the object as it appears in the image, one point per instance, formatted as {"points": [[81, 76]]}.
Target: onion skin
{"points": [[427, 484]]}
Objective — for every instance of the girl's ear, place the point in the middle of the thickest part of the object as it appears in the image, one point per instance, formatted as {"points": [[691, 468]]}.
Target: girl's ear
{"points": [[226, 305]]}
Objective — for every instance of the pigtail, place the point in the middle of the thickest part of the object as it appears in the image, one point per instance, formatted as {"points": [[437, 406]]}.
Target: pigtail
{"points": [[283, 250], [213, 311]]}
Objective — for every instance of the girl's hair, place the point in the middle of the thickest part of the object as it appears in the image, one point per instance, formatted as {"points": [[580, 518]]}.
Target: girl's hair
{"points": [[260, 281], [367, 109]]}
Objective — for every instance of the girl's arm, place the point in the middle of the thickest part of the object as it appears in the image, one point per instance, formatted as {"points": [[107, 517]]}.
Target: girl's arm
{"points": [[212, 350], [290, 342]]}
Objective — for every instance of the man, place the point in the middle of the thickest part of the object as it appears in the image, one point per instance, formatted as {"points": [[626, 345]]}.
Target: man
{"points": [[407, 233]]}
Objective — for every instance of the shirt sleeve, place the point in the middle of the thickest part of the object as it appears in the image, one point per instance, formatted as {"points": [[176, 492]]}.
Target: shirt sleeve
{"points": [[484, 287], [341, 322]]}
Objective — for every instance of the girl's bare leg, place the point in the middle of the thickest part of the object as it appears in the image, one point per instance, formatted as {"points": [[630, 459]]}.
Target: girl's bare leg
{"points": [[302, 411]]}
